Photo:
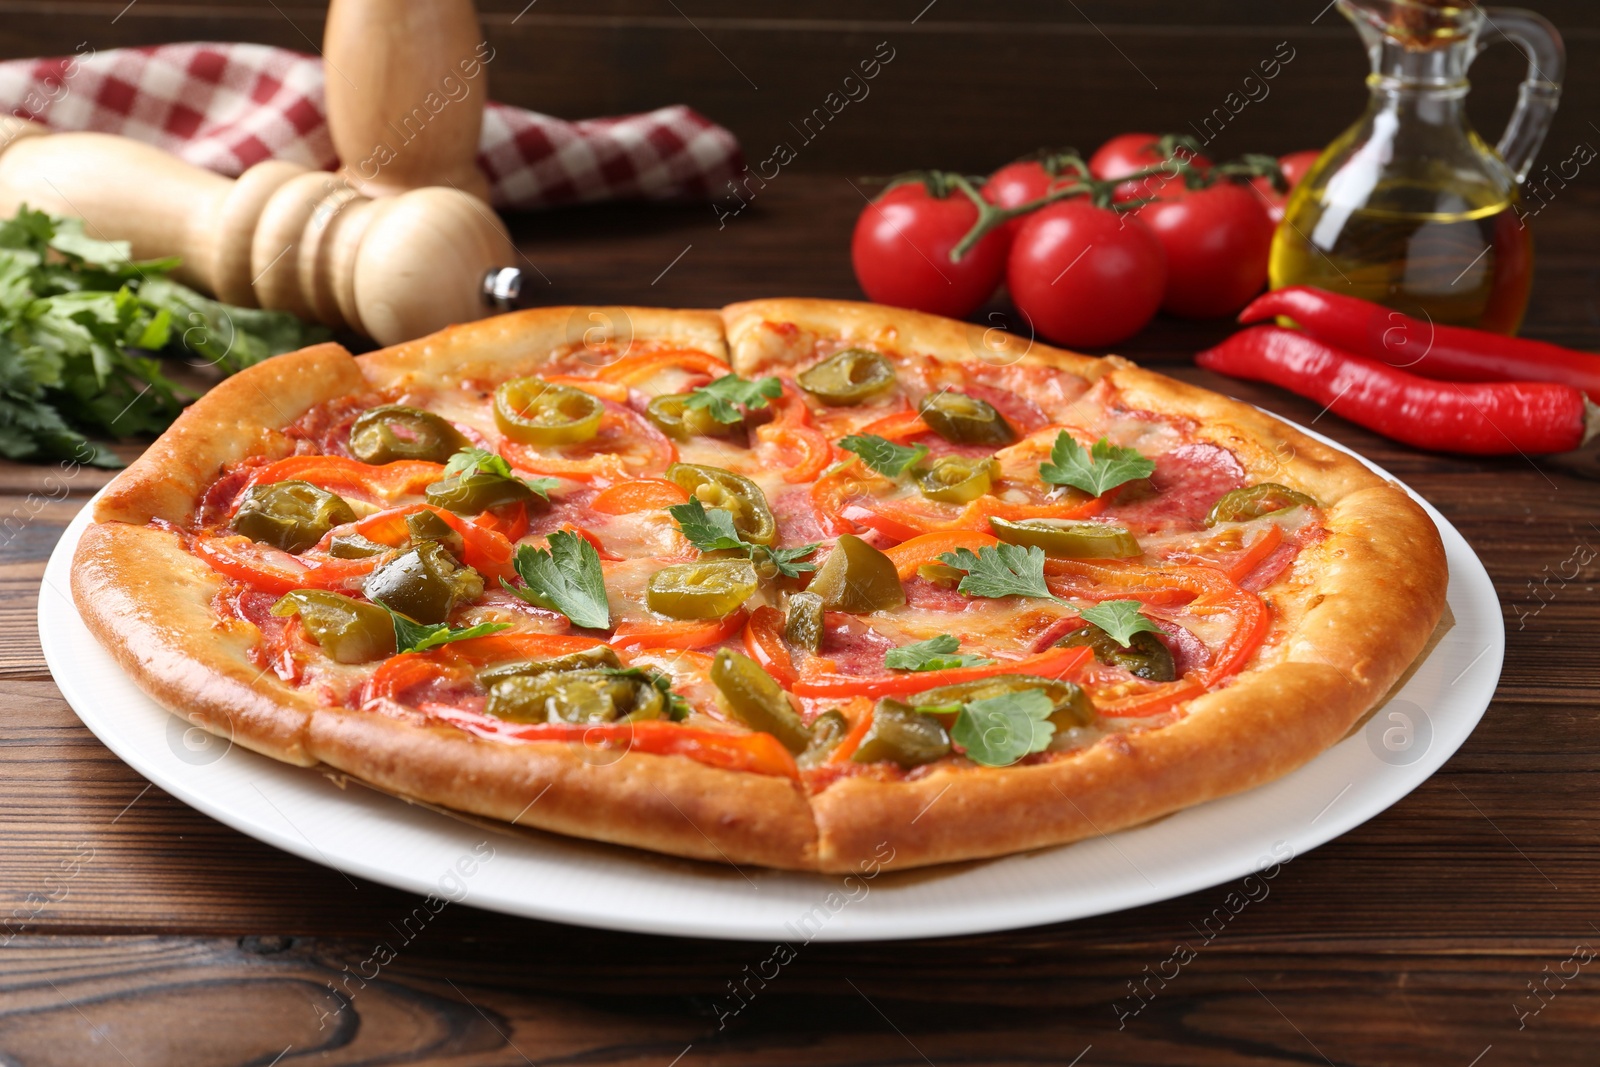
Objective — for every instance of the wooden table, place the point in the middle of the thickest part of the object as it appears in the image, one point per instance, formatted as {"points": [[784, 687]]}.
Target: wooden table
{"points": [[143, 932]]}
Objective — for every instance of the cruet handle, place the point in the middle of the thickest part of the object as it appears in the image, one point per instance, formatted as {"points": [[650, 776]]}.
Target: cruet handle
{"points": [[1540, 44]]}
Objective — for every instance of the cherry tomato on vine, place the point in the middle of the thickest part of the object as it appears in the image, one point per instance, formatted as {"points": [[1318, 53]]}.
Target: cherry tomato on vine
{"points": [[1294, 167], [1085, 276], [1217, 240], [901, 251], [1130, 152], [1017, 183]]}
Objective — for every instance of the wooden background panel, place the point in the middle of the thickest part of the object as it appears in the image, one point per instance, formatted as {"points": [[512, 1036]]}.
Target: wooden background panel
{"points": [[434, 1002], [971, 85]]}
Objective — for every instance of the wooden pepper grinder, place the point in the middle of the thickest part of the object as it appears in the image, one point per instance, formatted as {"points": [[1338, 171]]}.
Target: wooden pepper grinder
{"points": [[406, 86], [279, 236]]}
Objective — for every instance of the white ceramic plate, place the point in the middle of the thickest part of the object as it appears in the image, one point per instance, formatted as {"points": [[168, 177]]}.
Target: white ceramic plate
{"points": [[543, 876]]}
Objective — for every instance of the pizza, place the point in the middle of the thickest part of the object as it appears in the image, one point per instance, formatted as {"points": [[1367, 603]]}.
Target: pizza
{"points": [[799, 583]]}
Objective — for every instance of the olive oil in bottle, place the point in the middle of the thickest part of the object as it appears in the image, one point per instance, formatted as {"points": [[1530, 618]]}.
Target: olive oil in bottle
{"points": [[1409, 207], [1427, 251]]}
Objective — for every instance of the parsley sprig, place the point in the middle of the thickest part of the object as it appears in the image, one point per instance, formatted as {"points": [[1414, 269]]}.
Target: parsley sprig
{"points": [[883, 455], [419, 636], [1121, 619], [1000, 730], [482, 461], [713, 531], [721, 397], [564, 577], [934, 654], [1001, 570], [997, 731], [1101, 468], [79, 323]]}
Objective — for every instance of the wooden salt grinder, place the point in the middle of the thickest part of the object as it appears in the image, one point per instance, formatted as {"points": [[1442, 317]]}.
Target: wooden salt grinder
{"points": [[406, 85], [279, 237]]}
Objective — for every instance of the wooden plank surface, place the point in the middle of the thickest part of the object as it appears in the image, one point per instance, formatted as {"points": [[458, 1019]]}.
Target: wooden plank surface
{"points": [[138, 931], [1412, 939]]}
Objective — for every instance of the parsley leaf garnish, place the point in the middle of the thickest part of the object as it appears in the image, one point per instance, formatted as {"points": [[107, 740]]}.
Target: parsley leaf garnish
{"points": [[482, 461], [1120, 619], [786, 560], [713, 531], [1103, 467], [419, 637], [1001, 570], [883, 455], [721, 396], [565, 577], [934, 654], [998, 731], [709, 531], [678, 708]]}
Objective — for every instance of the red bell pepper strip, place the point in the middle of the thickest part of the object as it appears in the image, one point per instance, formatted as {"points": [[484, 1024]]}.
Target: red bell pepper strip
{"points": [[927, 548], [487, 552], [338, 472], [763, 639], [677, 634], [1449, 353], [1475, 418], [272, 570], [757, 753], [1209, 592], [640, 494], [1255, 552], [627, 447], [1051, 663], [631, 370]]}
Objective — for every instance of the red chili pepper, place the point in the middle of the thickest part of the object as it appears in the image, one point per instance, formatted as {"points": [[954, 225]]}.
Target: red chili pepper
{"points": [[1450, 353], [1475, 418]]}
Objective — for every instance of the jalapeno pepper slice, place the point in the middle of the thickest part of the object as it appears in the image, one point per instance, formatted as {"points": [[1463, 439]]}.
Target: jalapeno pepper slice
{"points": [[850, 377], [965, 420], [718, 488], [354, 546], [901, 734], [425, 525], [581, 696], [532, 411], [585, 659], [1257, 502], [673, 417], [756, 700], [349, 630], [941, 574], [708, 589], [957, 479], [1145, 656], [477, 492], [827, 730], [802, 626], [1070, 705], [290, 515], [424, 583], [393, 432], [1069, 539], [857, 578]]}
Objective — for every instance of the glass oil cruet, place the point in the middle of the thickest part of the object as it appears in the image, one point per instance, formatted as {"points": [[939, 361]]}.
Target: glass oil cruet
{"points": [[1410, 207]]}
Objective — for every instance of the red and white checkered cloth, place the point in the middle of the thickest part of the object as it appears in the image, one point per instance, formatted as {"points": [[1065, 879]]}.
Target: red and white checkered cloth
{"points": [[228, 106]]}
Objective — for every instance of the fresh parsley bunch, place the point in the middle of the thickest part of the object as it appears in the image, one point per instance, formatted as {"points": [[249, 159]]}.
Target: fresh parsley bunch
{"points": [[80, 323]]}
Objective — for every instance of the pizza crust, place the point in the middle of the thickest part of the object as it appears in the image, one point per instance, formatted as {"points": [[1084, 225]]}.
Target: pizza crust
{"points": [[1355, 611]]}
